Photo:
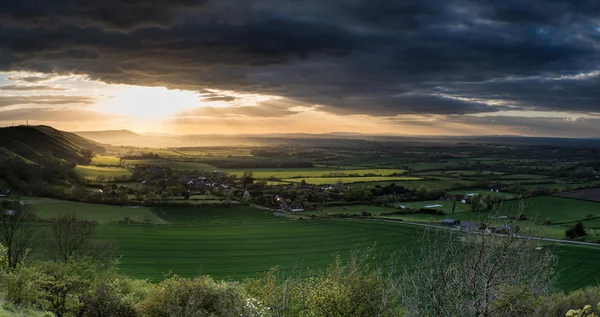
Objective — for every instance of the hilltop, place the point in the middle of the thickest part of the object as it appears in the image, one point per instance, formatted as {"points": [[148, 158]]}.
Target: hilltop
{"points": [[36, 144]]}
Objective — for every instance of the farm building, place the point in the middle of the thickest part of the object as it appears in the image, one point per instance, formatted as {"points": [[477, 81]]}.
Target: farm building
{"points": [[449, 222]]}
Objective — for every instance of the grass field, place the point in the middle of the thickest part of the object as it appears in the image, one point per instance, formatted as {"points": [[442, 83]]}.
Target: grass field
{"points": [[441, 183], [348, 180], [50, 208], [176, 165], [558, 209], [106, 160], [95, 171], [239, 241], [313, 172], [484, 192]]}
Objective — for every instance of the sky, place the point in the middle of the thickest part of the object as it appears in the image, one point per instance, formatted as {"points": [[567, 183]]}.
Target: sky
{"points": [[410, 67]]}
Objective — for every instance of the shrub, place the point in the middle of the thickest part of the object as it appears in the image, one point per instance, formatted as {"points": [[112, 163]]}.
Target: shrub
{"points": [[201, 296]]}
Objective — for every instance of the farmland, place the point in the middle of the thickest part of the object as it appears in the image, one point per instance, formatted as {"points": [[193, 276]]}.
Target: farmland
{"points": [[50, 208], [175, 165], [238, 242], [95, 171], [349, 180], [106, 161], [313, 172], [592, 194]]}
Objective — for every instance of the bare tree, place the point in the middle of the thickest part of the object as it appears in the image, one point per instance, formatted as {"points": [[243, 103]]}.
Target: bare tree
{"points": [[18, 231], [75, 237], [476, 274]]}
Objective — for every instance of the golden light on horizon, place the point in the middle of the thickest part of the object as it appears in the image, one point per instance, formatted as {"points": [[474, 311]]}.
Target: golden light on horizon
{"points": [[149, 102]]}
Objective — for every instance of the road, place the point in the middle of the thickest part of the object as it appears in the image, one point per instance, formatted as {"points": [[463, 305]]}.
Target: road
{"points": [[496, 234]]}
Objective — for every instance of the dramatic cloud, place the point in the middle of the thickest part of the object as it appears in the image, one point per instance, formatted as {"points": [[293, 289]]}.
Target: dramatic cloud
{"points": [[30, 88], [6, 101], [380, 58]]}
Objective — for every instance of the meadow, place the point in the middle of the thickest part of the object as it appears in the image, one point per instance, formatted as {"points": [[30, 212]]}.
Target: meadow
{"points": [[175, 165], [89, 171], [106, 160], [557, 209], [239, 241], [349, 180], [50, 208], [260, 173]]}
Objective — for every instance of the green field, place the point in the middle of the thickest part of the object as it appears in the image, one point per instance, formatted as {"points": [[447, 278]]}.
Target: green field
{"points": [[440, 183], [313, 172], [348, 180], [95, 171], [176, 165], [106, 160], [484, 192], [240, 241], [50, 208], [558, 209]]}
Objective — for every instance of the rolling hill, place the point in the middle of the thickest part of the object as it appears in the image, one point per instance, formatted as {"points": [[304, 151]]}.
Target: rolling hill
{"points": [[36, 144], [116, 137]]}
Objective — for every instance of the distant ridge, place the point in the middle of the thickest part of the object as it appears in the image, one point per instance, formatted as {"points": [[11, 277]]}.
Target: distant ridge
{"points": [[37, 144], [114, 137]]}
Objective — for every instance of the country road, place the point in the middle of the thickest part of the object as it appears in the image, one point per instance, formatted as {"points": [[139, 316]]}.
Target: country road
{"points": [[496, 234]]}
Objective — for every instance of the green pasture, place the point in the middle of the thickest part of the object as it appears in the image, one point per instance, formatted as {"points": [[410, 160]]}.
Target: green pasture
{"points": [[557, 209], [90, 171], [415, 184], [522, 177], [459, 173], [175, 165], [225, 152], [50, 208], [106, 160], [313, 172], [483, 192], [239, 241], [348, 180]]}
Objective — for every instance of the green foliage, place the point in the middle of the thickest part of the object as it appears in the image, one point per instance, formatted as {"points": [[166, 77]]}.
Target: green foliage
{"points": [[3, 258], [201, 296], [115, 296], [577, 231]]}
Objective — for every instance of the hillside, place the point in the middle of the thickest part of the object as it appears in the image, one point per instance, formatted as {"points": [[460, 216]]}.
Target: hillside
{"points": [[116, 137], [40, 143]]}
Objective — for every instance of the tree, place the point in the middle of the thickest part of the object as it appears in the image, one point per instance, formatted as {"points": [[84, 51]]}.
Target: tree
{"points": [[577, 231], [3, 258], [18, 231], [475, 202], [74, 237], [476, 275], [453, 204]]}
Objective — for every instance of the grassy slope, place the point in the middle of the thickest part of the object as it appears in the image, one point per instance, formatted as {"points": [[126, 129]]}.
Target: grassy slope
{"points": [[37, 143]]}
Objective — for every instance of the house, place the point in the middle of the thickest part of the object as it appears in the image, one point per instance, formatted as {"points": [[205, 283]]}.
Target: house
{"points": [[469, 226], [449, 222]]}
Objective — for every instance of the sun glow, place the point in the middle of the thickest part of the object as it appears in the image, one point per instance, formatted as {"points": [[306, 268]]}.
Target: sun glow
{"points": [[149, 102]]}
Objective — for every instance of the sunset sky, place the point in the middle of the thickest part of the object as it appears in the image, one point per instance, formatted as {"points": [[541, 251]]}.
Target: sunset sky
{"points": [[419, 67]]}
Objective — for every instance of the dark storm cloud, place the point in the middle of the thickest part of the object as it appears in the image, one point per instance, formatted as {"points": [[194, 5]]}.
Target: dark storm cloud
{"points": [[376, 57]]}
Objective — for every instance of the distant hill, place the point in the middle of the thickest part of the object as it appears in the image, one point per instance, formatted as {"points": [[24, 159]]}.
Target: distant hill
{"points": [[116, 137], [42, 143]]}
